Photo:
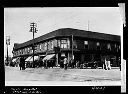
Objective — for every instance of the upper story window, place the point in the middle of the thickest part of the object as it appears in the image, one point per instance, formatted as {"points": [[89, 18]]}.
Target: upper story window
{"points": [[58, 43], [39, 46], [86, 44], [22, 51], [74, 44], [119, 47], [65, 43], [115, 45], [98, 45], [28, 50], [49, 45], [42, 46], [109, 46], [54, 43], [45, 46]]}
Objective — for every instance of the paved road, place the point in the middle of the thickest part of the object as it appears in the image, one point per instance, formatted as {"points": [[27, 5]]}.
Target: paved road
{"points": [[53, 75]]}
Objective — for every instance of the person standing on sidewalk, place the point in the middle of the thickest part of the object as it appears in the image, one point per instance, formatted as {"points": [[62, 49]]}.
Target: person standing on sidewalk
{"points": [[106, 66], [65, 63], [23, 61], [20, 64]]}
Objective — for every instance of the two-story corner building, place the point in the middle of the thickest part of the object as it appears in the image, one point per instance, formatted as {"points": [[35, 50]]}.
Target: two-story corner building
{"points": [[83, 46]]}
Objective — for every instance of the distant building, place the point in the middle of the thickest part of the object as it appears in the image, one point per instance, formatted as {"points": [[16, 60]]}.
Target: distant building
{"points": [[87, 46]]}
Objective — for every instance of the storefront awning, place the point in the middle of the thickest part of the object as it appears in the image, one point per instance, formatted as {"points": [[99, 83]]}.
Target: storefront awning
{"points": [[28, 58], [35, 58], [48, 57], [42, 55]]}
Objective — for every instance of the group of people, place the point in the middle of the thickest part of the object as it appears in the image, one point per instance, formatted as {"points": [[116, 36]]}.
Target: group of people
{"points": [[64, 64]]}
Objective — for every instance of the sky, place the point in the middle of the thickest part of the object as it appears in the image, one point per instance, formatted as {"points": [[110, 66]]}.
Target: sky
{"points": [[98, 19]]}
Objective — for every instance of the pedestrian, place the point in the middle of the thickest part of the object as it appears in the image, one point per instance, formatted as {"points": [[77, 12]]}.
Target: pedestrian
{"points": [[65, 63], [20, 64], [106, 66], [23, 60], [77, 64], [119, 62], [109, 65], [46, 64]]}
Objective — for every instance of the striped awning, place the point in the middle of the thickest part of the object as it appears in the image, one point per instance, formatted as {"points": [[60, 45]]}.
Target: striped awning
{"points": [[48, 57], [35, 58]]}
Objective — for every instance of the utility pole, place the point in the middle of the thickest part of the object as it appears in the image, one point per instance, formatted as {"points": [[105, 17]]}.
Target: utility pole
{"points": [[34, 30], [7, 43]]}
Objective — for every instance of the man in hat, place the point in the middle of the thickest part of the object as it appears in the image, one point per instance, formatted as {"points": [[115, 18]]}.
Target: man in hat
{"points": [[65, 63]]}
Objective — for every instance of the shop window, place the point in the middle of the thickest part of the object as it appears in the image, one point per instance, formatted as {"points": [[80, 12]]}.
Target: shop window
{"points": [[86, 44]]}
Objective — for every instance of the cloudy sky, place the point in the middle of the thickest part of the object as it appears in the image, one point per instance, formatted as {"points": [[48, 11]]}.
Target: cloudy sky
{"points": [[17, 21]]}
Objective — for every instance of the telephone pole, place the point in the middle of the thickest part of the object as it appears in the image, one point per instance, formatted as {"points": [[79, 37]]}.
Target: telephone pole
{"points": [[34, 30], [7, 43]]}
